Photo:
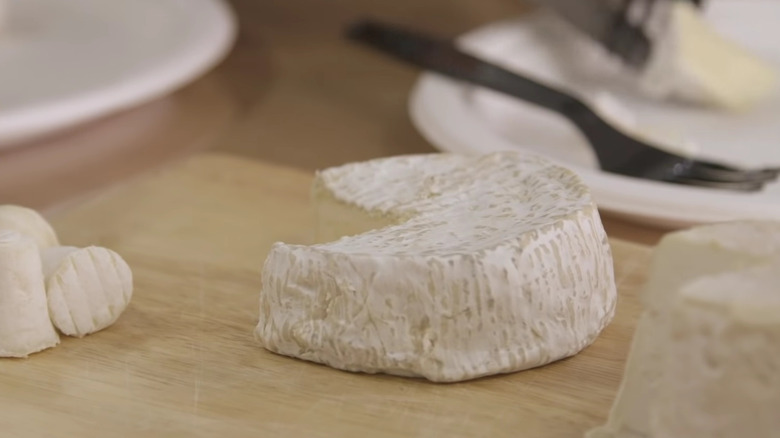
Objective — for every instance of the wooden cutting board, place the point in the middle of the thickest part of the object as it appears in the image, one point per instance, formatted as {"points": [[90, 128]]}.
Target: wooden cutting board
{"points": [[182, 361]]}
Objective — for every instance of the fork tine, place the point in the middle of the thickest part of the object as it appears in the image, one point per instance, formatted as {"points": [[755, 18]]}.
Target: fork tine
{"points": [[662, 165], [716, 172], [744, 186]]}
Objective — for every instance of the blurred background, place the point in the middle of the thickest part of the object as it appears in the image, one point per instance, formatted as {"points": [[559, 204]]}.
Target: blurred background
{"points": [[291, 90], [97, 92]]}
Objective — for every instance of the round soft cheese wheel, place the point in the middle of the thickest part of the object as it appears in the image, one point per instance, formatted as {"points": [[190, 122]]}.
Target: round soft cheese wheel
{"points": [[451, 267]]}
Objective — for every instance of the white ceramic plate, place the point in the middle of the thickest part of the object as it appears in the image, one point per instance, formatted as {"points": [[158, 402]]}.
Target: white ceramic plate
{"points": [[67, 62], [457, 117]]}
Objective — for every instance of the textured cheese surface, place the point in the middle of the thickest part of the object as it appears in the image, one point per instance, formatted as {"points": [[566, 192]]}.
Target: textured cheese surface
{"points": [[681, 258], [722, 366], [452, 268]]}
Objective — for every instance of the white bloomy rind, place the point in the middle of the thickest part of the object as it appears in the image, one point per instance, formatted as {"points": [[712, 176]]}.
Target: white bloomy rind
{"points": [[25, 327], [88, 288], [28, 222], [693, 276], [454, 267]]}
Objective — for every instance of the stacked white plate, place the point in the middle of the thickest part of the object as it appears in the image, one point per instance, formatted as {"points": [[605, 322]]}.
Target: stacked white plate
{"points": [[463, 118], [65, 62]]}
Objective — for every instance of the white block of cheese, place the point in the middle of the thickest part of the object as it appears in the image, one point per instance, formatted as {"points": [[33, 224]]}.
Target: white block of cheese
{"points": [[680, 258], [722, 362], [452, 267]]}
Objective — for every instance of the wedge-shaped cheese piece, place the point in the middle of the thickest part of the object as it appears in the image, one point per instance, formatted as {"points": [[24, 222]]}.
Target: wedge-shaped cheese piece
{"points": [[692, 62], [28, 222], [680, 258], [453, 268], [87, 288], [25, 327], [721, 373]]}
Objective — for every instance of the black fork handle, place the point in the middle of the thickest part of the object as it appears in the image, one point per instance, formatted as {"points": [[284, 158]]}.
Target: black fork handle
{"points": [[443, 57]]}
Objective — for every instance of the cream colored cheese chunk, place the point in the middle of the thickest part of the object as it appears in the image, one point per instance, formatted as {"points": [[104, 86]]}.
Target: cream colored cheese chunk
{"points": [[692, 62], [445, 267]]}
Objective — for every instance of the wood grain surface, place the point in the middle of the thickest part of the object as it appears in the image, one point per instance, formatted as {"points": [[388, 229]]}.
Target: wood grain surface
{"points": [[182, 361]]}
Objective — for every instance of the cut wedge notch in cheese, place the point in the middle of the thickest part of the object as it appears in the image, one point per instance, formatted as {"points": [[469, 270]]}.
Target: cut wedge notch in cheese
{"points": [[445, 267], [692, 275], [25, 327]]}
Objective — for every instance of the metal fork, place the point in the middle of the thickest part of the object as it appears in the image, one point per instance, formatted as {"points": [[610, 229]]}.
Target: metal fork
{"points": [[617, 151]]}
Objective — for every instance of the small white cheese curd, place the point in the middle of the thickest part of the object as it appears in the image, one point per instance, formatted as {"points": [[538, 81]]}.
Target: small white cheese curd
{"points": [[88, 288]]}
